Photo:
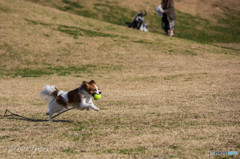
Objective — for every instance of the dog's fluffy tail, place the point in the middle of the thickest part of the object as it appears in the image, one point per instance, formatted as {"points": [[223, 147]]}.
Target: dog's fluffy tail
{"points": [[49, 93]]}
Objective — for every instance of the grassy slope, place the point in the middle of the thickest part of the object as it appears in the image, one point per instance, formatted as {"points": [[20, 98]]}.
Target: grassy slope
{"points": [[162, 97], [223, 29]]}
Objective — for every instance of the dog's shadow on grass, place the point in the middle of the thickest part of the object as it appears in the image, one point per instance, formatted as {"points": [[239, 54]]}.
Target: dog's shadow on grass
{"points": [[38, 120], [14, 116]]}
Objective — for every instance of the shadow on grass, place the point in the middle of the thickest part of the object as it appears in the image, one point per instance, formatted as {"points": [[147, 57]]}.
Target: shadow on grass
{"points": [[14, 116], [39, 120]]}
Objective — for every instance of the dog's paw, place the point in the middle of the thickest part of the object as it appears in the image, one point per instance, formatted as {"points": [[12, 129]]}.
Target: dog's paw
{"points": [[95, 108]]}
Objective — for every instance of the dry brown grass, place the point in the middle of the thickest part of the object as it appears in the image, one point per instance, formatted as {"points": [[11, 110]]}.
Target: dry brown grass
{"points": [[162, 97]]}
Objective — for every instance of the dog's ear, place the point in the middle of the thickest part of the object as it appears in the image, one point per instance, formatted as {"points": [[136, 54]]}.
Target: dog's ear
{"points": [[145, 13], [85, 83], [92, 82]]}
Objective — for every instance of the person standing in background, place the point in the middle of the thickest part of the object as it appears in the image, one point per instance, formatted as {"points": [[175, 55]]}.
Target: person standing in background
{"points": [[168, 16]]}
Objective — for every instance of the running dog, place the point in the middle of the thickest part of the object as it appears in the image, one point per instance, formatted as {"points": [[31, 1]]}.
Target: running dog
{"points": [[80, 98]]}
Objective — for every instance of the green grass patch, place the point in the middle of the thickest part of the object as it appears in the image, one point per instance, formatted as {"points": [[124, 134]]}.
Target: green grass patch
{"points": [[75, 32], [6, 10], [132, 150], [174, 147], [87, 13], [72, 4], [160, 126], [79, 126], [109, 151], [202, 30], [60, 71], [26, 72], [69, 150], [110, 28], [143, 42], [113, 13], [172, 77], [34, 22], [4, 137], [78, 42], [188, 52]]}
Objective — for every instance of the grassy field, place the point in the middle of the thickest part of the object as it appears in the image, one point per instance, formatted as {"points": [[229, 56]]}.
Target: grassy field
{"points": [[162, 97], [215, 23]]}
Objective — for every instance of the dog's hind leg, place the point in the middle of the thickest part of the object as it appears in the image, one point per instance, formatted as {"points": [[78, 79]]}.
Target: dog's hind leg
{"points": [[50, 117], [50, 112]]}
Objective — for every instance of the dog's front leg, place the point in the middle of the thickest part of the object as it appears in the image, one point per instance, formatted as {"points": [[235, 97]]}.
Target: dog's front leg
{"points": [[92, 106], [87, 106]]}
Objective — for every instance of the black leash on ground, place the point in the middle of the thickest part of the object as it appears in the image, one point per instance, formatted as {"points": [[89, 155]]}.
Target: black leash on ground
{"points": [[13, 114]]}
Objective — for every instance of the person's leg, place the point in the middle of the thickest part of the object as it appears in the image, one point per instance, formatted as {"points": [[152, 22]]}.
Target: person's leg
{"points": [[165, 23], [171, 28]]}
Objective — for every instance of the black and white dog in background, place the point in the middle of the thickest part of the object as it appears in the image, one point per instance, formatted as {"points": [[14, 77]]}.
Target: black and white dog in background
{"points": [[138, 22]]}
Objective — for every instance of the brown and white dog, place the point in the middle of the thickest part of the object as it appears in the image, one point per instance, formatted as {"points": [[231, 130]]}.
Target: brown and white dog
{"points": [[81, 98]]}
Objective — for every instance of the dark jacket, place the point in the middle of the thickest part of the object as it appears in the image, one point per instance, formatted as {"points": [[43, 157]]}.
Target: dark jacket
{"points": [[169, 10]]}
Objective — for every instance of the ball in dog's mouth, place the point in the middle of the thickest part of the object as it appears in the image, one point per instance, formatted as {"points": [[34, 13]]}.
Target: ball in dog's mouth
{"points": [[97, 96]]}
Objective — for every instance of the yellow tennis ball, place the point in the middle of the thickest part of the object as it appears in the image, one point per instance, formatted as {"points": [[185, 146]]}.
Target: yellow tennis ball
{"points": [[97, 96]]}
